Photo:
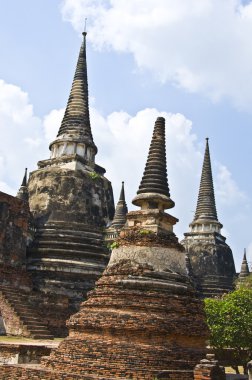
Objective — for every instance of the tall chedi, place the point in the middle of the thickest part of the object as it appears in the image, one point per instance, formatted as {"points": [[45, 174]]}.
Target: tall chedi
{"points": [[143, 318], [210, 257], [71, 202]]}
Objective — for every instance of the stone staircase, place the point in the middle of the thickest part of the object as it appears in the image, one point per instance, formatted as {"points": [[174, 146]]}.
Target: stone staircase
{"points": [[19, 316]]}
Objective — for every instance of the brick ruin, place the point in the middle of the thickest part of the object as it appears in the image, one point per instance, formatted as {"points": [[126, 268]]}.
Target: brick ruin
{"points": [[211, 260], [14, 223], [23, 311], [143, 319]]}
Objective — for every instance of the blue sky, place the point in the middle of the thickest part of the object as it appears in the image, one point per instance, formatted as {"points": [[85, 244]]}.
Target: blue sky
{"points": [[190, 61]]}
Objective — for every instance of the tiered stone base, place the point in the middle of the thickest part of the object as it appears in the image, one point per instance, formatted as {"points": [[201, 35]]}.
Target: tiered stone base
{"points": [[212, 263], [67, 260], [214, 286]]}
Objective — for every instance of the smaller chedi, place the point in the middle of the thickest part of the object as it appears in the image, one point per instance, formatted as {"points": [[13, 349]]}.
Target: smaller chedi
{"points": [[244, 272], [23, 190], [119, 219], [209, 259]]}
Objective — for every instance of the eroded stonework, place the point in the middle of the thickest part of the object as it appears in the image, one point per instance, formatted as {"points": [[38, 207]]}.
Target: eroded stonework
{"points": [[209, 257], [213, 269], [14, 221], [69, 209]]}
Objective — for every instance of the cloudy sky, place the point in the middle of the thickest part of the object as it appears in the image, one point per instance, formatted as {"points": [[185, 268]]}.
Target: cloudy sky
{"points": [[187, 60]]}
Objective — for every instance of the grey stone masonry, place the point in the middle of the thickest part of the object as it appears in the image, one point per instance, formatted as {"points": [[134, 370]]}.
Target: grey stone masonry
{"points": [[211, 259]]}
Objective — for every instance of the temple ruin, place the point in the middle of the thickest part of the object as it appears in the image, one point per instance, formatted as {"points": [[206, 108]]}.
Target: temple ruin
{"points": [[135, 315], [143, 319]]}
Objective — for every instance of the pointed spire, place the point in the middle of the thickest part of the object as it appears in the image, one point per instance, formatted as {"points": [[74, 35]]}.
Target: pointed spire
{"points": [[75, 125], [206, 208], [120, 211], [23, 191], [244, 267], [153, 191], [24, 182]]}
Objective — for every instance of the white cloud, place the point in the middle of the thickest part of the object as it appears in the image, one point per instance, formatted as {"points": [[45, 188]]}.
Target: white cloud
{"points": [[22, 138], [201, 46], [227, 189], [52, 123]]}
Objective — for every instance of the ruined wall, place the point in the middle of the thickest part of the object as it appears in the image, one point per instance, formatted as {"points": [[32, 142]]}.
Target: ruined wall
{"points": [[14, 232], [54, 311], [11, 320], [14, 218], [15, 277]]}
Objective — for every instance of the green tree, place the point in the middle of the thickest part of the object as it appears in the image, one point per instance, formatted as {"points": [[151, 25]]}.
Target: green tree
{"points": [[230, 322]]}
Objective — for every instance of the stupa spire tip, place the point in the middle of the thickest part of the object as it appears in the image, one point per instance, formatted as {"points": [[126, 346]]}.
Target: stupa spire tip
{"points": [[154, 189], [84, 33]]}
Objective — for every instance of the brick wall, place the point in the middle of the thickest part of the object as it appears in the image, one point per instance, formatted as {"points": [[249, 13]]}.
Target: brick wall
{"points": [[12, 322], [54, 309], [15, 277], [14, 219]]}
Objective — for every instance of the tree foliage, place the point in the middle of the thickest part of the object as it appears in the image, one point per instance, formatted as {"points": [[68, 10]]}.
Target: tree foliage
{"points": [[230, 321]]}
